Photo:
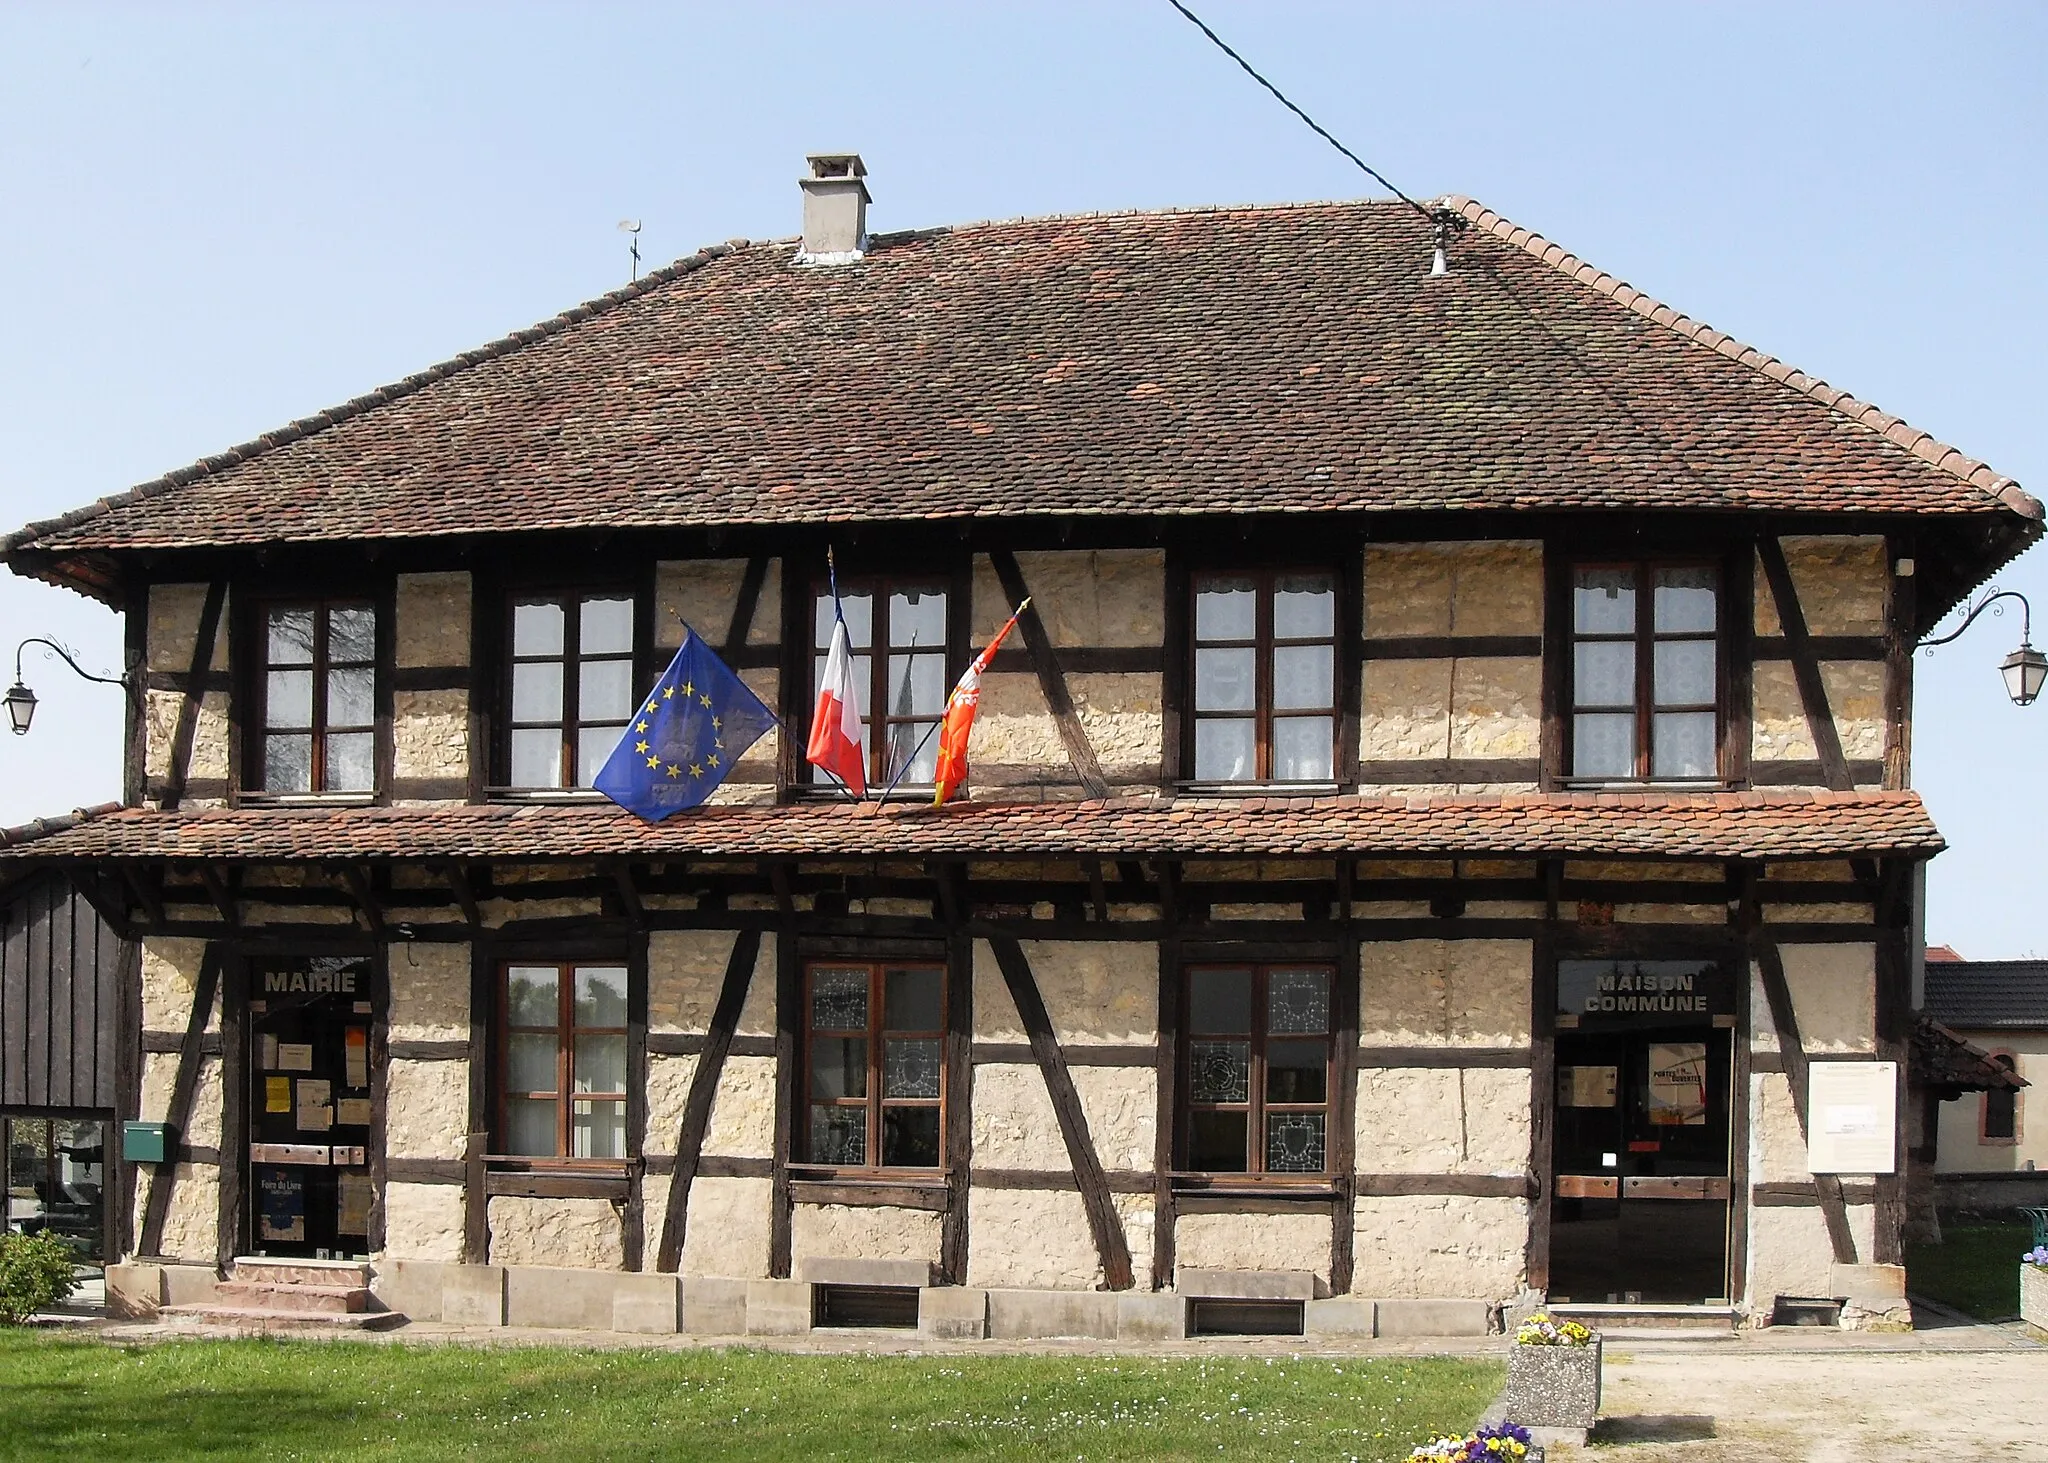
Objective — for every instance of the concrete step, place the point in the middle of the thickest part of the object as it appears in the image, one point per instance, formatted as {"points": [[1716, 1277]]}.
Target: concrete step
{"points": [[346, 1273], [1649, 1320], [266, 1295], [263, 1318]]}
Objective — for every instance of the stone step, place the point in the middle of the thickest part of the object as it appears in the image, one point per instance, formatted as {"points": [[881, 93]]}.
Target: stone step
{"points": [[266, 1295], [261, 1318], [1647, 1320], [347, 1273]]}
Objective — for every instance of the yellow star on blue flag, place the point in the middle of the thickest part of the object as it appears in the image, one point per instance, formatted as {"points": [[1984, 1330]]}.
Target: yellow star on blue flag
{"points": [[704, 730]]}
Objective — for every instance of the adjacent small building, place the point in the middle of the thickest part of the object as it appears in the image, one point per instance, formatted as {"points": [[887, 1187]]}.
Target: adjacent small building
{"points": [[1442, 838], [1987, 1155]]}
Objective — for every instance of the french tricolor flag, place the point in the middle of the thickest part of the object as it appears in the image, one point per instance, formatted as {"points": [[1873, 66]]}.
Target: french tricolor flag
{"points": [[839, 739]]}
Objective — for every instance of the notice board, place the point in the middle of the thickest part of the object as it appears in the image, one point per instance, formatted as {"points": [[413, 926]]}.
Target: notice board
{"points": [[1852, 1117]]}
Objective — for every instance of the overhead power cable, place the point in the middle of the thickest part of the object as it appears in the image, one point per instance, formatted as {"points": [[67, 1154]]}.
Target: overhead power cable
{"points": [[1314, 126]]}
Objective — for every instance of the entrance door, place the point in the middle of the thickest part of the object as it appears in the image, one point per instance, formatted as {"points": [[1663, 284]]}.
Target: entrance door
{"points": [[53, 1180], [310, 1025], [1639, 1207]]}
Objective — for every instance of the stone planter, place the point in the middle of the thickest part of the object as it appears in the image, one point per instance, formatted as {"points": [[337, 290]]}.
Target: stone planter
{"points": [[2034, 1296], [1553, 1390]]}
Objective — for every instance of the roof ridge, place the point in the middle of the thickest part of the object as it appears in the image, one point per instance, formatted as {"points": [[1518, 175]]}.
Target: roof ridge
{"points": [[320, 421], [1895, 430]]}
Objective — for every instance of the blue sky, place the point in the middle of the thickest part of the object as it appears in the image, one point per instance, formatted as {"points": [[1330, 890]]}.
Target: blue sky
{"points": [[216, 218]]}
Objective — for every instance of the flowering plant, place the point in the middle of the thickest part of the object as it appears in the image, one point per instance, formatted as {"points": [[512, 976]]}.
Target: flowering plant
{"points": [[2038, 1255], [1490, 1444], [1540, 1330]]}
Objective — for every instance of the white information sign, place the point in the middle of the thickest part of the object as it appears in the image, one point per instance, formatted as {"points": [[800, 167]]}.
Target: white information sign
{"points": [[1852, 1117]]}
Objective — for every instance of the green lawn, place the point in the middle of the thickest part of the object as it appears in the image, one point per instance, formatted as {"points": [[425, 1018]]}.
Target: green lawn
{"points": [[66, 1397], [1976, 1269]]}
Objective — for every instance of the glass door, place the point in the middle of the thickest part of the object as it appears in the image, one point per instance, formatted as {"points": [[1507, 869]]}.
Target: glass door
{"points": [[55, 1173]]}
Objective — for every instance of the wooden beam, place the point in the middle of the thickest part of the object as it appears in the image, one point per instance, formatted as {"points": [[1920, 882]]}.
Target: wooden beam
{"points": [[1111, 1248], [156, 1207], [744, 606], [1343, 1139], [217, 890], [147, 884], [1813, 691], [1900, 638], [629, 894], [87, 882], [476, 1202], [1542, 1092], [725, 1019], [465, 895], [789, 1015], [187, 724], [778, 880], [234, 1104], [1098, 889], [1052, 683], [958, 1138], [365, 897], [1792, 1052]]}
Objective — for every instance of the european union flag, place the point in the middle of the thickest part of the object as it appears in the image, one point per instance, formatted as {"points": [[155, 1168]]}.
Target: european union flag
{"points": [[685, 737]]}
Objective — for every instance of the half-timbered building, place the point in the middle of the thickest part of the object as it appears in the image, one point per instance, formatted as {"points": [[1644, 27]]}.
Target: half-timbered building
{"points": [[1450, 789]]}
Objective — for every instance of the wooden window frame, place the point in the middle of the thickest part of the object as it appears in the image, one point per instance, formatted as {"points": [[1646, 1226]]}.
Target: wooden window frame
{"points": [[1262, 644], [571, 660], [1256, 1106], [1645, 640], [255, 778], [565, 1032], [1984, 1137], [875, 1034], [877, 588]]}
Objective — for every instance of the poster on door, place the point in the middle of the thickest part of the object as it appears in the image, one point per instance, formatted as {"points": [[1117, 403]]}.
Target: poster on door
{"points": [[1677, 1095], [282, 1212]]}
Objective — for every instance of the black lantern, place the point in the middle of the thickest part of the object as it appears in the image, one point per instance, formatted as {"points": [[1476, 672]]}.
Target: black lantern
{"points": [[2026, 669], [21, 701]]}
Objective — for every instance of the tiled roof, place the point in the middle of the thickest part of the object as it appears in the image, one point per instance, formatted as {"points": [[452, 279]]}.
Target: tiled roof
{"points": [[1938, 1057], [38, 829], [1240, 360], [1693, 825], [1973, 994]]}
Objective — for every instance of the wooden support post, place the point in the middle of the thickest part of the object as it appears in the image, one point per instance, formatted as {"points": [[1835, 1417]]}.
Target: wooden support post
{"points": [[476, 1213], [1813, 691], [725, 1020], [1098, 890], [1894, 998], [234, 1107], [1543, 1083], [1901, 635], [187, 724], [365, 897], [465, 895], [115, 912], [959, 1135], [147, 886], [1792, 1056], [217, 890], [744, 606], [789, 1015], [1103, 1221], [157, 1207], [629, 895], [1052, 683], [1344, 1100]]}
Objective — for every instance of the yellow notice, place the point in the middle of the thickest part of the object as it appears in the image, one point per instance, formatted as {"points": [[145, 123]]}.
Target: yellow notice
{"points": [[277, 1094]]}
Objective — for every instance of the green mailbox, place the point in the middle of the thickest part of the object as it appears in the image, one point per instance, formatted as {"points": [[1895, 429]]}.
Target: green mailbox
{"points": [[148, 1142]]}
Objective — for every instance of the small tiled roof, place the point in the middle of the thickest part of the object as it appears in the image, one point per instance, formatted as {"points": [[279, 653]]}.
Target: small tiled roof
{"points": [[1939, 1057], [1228, 360], [1691, 825], [38, 829], [1972, 994]]}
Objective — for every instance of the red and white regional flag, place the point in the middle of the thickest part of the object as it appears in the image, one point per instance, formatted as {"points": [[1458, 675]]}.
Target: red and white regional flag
{"points": [[839, 739], [959, 722]]}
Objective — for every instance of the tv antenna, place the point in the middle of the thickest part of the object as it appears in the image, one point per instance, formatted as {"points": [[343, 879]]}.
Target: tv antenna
{"points": [[631, 228]]}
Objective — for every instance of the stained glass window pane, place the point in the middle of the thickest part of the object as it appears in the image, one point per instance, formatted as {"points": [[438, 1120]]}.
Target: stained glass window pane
{"points": [[1298, 1000], [1294, 1142], [839, 1135], [1216, 1142], [1220, 1001], [1219, 1071], [839, 1000], [910, 1137], [910, 1067]]}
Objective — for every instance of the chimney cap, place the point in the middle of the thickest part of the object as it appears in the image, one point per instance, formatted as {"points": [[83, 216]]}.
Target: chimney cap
{"points": [[836, 165]]}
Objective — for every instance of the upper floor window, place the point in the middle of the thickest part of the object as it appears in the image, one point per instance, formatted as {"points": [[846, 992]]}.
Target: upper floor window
{"points": [[572, 685], [1265, 703], [1255, 1058], [1645, 671], [562, 1092], [2001, 1109], [903, 690], [874, 1069], [319, 697]]}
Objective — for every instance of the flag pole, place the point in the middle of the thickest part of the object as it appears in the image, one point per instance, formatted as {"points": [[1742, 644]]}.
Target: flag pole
{"points": [[932, 730]]}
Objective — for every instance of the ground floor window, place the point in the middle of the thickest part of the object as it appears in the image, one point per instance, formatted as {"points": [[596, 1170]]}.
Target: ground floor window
{"points": [[1255, 1063], [55, 1182], [562, 1085], [874, 1064]]}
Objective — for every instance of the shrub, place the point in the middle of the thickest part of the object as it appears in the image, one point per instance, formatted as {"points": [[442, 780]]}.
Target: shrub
{"points": [[36, 1272]]}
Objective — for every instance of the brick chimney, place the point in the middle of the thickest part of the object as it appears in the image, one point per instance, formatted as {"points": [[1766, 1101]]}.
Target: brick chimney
{"points": [[835, 207]]}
